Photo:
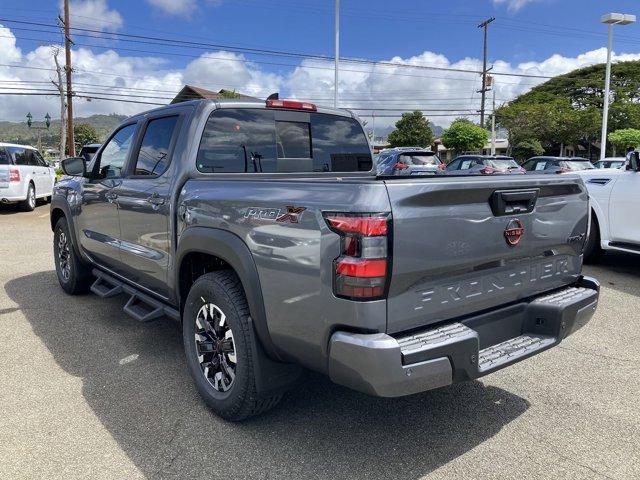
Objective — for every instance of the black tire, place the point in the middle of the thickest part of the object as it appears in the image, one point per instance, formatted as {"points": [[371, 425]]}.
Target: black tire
{"points": [[29, 204], [73, 274], [223, 290], [593, 252]]}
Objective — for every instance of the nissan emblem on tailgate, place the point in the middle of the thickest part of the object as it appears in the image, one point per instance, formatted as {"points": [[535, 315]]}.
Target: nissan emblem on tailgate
{"points": [[514, 231]]}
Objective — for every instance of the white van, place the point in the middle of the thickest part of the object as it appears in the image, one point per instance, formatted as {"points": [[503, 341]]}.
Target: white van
{"points": [[24, 176]]}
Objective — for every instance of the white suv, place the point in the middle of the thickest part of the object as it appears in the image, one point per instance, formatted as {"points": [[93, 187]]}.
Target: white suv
{"points": [[24, 176]]}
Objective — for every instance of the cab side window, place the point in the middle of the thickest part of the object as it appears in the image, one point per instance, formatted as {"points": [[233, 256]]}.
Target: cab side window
{"points": [[153, 157], [114, 154]]}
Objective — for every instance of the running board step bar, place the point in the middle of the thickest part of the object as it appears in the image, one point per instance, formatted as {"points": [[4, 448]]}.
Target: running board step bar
{"points": [[104, 288], [496, 356], [140, 306]]}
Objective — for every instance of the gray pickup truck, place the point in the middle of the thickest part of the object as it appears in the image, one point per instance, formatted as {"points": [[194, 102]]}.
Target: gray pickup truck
{"points": [[263, 229]]}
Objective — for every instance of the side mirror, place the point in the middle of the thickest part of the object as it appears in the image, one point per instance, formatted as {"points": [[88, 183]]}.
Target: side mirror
{"points": [[74, 166]]}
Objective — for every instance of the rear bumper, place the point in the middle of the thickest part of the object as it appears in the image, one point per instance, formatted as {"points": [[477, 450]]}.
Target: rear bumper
{"points": [[13, 192], [382, 365]]}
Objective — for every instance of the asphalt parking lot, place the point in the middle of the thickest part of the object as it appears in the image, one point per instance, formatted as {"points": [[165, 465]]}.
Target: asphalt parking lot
{"points": [[87, 392]]}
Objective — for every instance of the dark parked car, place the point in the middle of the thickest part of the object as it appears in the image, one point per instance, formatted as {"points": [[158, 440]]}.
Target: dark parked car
{"points": [[484, 165], [408, 161], [557, 164], [264, 231], [88, 151]]}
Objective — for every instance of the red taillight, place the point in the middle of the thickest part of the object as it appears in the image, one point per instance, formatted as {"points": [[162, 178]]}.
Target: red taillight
{"points": [[400, 166], [360, 271], [14, 175], [357, 267], [368, 226], [291, 104]]}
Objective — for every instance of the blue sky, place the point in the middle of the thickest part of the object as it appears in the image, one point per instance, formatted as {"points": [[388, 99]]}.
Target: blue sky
{"points": [[540, 36]]}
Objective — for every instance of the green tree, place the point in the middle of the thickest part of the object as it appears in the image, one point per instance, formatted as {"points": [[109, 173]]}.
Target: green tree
{"points": [[625, 138], [464, 136], [83, 134], [528, 148], [412, 130], [568, 108], [224, 94]]}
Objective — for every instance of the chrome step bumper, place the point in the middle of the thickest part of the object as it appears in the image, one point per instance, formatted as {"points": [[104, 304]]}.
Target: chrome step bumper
{"points": [[382, 365]]}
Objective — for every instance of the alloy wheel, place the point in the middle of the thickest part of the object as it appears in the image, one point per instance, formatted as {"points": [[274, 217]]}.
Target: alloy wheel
{"points": [[215, 347], [32, 197], [64, 256]]}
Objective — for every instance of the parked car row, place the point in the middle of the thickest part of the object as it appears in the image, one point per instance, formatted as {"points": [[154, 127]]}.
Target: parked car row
{"points": [[418, 161]]}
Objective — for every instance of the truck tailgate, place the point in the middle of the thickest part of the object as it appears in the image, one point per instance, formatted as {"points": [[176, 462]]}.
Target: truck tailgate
{"points": [[452, 251]]}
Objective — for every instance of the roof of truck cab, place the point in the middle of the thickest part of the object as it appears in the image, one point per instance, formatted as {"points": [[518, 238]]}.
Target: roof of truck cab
{"points": [[233, 103]]}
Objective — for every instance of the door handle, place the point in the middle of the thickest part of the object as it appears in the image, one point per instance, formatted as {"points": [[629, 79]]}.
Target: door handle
{"points": [[156, 200]]}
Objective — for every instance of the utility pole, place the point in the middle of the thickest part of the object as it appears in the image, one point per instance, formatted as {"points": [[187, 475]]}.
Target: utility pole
{"points": [[63, 106], [493, 119], [484, 25], [67, 68], [337, 53]]}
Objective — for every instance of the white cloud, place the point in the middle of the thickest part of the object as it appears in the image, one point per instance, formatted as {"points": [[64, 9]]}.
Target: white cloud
{"points": [[381, 86], [9, 52], [513, 5], [94, 14], [175, 7], [231, 71], [142, 78]]}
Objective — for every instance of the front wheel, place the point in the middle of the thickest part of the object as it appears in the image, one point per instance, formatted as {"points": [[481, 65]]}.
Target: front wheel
{"points": [[218, 336], [73, 274]]}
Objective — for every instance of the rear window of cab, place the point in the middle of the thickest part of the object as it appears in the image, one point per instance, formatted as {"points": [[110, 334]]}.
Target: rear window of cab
{"points": [[246, 140]]}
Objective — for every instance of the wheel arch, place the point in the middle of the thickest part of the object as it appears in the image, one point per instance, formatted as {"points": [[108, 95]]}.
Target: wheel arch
{"points": [[225, 250], [597, 217], [60, 209]]}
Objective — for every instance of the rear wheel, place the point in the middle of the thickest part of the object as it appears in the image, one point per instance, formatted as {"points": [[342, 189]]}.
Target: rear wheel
{"points": [[593, 251], [73, 274], [29, 203], [218, 336]]}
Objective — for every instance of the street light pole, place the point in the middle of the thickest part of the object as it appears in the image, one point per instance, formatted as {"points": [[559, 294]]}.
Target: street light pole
{"points": [[610, 19], [337, 53], [39, 128]]}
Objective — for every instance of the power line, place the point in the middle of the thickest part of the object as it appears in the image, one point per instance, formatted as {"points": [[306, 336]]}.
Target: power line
{"points": [[177, 43]]}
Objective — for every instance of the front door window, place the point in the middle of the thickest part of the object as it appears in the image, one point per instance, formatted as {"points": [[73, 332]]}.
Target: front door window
{"points": [[114, 154]]}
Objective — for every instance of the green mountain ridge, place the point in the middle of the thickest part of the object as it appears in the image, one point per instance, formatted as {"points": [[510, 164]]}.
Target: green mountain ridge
{"points": [[19, 132]]}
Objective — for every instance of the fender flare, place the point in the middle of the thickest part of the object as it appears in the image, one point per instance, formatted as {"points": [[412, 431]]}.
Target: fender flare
{"points": [[232, 249], [59, 202]]}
